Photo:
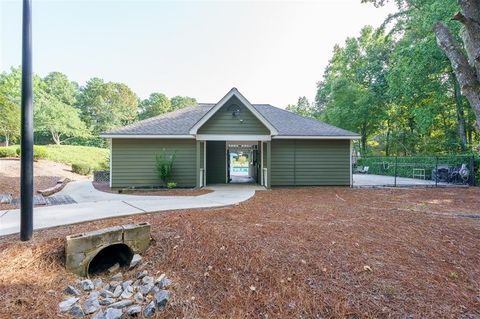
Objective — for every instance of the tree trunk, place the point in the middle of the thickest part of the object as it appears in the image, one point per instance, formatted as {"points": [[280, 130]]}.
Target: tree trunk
{"points": [[460, 115], [7, 139], [363, 140], [56, 138], [465, 66], [387, 146], [470, 18]]}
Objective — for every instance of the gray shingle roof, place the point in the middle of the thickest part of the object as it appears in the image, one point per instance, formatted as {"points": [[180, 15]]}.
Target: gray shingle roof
{"points": [[180, 122], [291, 124]]}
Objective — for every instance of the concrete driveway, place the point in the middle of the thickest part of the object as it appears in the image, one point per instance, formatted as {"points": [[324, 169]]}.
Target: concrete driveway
{"points": [[93, 204]]}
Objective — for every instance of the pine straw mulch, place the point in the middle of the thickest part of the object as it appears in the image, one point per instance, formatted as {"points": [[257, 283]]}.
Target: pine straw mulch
{"points": [[287, 253], [104, 187]]}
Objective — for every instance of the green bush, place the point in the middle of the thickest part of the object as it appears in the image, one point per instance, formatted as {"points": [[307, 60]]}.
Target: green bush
{"points": [[39, 152], [164, 166], [82, 169], [7, 152], [171, 185]]}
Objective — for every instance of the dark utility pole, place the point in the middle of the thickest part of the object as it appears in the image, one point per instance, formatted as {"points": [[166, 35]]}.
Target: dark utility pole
{"points": [[26, 168]]}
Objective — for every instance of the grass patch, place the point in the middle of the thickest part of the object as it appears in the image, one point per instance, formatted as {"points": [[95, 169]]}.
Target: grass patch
{"points": [[93, 157]]}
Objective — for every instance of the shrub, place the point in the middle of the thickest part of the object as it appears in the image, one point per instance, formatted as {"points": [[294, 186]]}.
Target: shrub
{"points": [[82, 169], [171, 185], [7, 152], [164, 166], [39, 152]]}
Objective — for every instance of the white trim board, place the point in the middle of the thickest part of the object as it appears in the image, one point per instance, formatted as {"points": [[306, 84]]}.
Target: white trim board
{"points": [[314, 137], [146, 136], [228, 96], [230, 138]]}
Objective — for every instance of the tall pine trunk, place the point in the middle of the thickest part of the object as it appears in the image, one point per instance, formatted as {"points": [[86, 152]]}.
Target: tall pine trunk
{"points": [[460, 115], [465, 60]]}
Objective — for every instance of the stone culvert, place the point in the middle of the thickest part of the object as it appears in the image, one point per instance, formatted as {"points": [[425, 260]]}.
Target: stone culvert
{"points": [[96, 251]]}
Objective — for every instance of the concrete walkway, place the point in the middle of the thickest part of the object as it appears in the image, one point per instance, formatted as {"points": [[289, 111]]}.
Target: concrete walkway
{"points": [[93, 204]]}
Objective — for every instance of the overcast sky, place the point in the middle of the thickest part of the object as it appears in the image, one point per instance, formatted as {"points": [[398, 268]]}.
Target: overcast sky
{"points": [[273, 52]]}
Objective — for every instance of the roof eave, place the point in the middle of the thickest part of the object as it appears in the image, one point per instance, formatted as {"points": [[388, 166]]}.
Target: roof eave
{"points": [[147, 136], [318, 137]]}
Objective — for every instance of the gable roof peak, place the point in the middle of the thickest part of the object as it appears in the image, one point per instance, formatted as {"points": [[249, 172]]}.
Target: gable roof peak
{"points": [[233, 92]]}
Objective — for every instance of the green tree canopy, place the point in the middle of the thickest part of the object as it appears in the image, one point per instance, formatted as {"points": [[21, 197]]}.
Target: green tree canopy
{"points": [[58, 119], [58, 85], [156, 104], [179, 102], [9, 119], [352, 93], [303, 107], [105, 105]]}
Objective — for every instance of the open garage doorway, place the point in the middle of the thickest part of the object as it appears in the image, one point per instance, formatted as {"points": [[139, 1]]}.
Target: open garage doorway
{"points": [[243, 162]]}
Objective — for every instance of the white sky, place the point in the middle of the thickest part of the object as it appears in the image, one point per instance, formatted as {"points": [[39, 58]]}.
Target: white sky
{"points": [[273, 52]]}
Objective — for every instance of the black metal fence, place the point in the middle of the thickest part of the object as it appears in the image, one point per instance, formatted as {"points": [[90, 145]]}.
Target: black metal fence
{"points": [[429, 171]]}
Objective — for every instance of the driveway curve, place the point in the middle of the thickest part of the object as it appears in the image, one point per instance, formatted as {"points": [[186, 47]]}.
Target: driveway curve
{"points": [[93, 204]]}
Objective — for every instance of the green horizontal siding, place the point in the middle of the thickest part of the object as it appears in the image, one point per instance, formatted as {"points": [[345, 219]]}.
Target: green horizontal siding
{"points": [[133, 161], [216, 162], [310, 162], [223, 122]]}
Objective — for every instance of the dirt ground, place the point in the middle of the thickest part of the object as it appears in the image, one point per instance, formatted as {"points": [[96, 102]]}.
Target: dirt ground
{"points": [[104, 187], [287, 253], [46, 174]]}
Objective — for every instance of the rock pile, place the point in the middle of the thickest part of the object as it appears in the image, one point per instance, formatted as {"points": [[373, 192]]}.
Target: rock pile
{"points": [[117, 297]]}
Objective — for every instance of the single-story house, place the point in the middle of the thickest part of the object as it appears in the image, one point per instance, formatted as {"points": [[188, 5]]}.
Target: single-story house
{"points": [[280, 147]]}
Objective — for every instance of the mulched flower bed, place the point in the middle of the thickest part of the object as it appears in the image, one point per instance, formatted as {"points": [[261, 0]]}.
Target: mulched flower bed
{"points": [[287, 253], [104, 187]]}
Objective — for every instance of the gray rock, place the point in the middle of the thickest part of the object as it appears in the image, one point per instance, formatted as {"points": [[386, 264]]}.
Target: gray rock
{"points": [[149, 310], [134, 310], [76, 311], [127, 283], [113, 313], [97, 282], [145, 289], [114, 268], [142, 274], [72, 291], [165, 282], [161, 298], [127, 293], [117, 292], [114, 284], [147, 280], [121, 304], [91, 305], [87, 285], [155, 290], [99, 315], [117, 277], [65, 305], [138, 297], [106, 293], [107, 301], [135, 261], [93, 295], [159, 279]]}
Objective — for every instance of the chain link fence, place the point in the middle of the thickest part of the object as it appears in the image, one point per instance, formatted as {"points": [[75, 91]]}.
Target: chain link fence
{"points": [[429, 171]]}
